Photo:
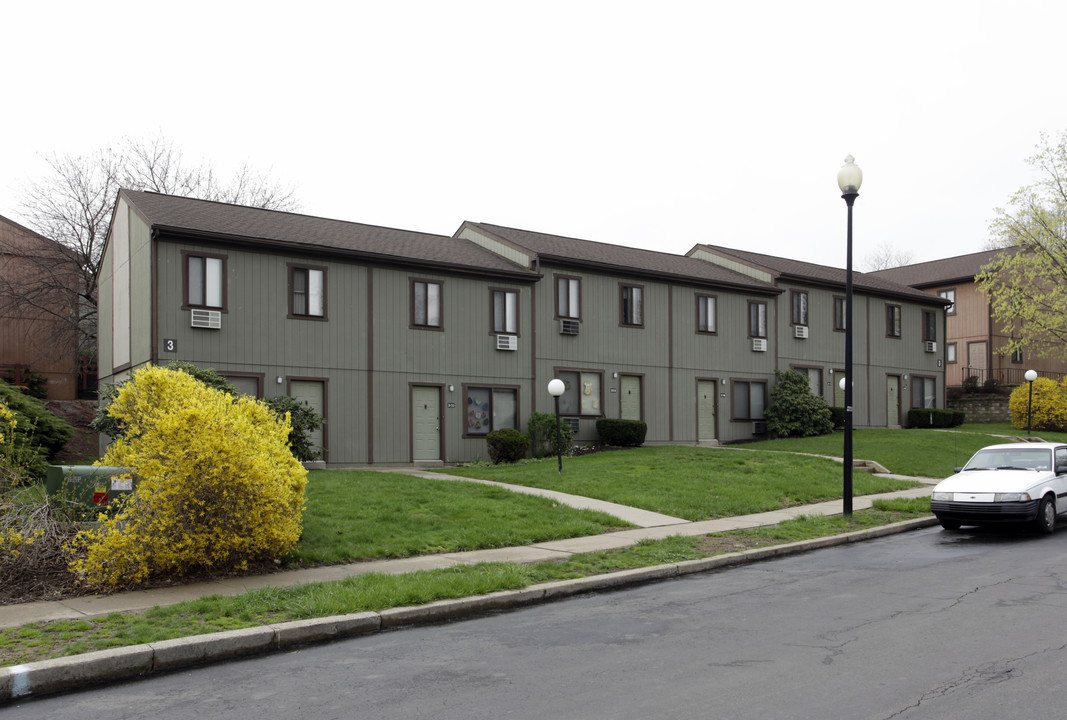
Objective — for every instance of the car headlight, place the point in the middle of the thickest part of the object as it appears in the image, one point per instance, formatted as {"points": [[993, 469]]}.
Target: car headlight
{"points": [[944, 496], [1011, 497]]}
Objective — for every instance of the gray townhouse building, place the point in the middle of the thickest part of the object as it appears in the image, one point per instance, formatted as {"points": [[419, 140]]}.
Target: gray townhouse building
{"points": [[415, 346]]}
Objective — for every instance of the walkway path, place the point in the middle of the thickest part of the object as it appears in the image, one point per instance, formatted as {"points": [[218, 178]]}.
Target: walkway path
{"points": [[650, 525]]}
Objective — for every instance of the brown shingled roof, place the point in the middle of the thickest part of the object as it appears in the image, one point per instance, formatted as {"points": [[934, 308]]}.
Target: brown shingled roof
{"points": [[215, 221], [621, 259], [961, 268], [799, 271]]}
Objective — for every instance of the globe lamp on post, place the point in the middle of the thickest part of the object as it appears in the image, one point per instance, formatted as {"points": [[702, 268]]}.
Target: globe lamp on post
{"points": [[1030, 376], [849, 179], [555, 389]]}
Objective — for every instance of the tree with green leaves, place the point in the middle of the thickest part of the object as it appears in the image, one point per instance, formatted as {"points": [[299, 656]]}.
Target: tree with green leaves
{"points": [[1027, 283]]}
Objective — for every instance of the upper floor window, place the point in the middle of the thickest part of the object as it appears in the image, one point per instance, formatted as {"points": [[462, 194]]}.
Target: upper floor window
{"points": [[929, 325], [757, 319], [839, 313], [581, 394], [1017, 355], [949, 295], [800, 307], [707, 320], [205, 280], [505, 311], [307, 292], [568, 297], [633, 310], [892, 321], [426, 304], [950, 352]]}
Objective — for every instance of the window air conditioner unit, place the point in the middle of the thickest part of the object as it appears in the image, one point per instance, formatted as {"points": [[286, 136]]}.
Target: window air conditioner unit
{"points": [[211, 319], [759, 345], [568, 327], [759, 427], [573, 422], [930, 346], [507, 342], [801, 331]]}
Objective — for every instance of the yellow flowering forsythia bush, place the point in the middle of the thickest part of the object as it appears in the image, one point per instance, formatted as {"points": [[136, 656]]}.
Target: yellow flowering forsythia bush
{"points": [[218, 485], [1049, 408], [14, 538]]}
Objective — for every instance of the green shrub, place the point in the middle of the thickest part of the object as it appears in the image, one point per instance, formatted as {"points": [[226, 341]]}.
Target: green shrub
{"points": [[624, 433], [935, 418], [38, 435], [837, 417], [794, 411], [507, 445], [541, 429], [304, 420]]}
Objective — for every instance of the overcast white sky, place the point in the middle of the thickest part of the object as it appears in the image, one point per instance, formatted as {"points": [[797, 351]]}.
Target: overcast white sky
{"points": [[649, 124]]}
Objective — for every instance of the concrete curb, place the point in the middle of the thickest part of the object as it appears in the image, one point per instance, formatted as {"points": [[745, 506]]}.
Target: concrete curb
{"points": [[49, 677]]}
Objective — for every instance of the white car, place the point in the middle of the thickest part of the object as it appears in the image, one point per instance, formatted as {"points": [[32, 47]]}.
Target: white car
{"points": [[1013, 483]]}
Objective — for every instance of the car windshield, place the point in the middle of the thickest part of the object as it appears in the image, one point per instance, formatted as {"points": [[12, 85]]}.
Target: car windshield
{"points": [[1023, 458]]}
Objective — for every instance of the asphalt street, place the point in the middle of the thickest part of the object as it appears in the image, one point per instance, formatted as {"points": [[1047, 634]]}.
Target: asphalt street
{"points": [[918, 625]]}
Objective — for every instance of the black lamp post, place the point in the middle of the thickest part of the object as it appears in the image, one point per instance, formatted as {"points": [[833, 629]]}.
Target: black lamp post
{"points": [[1030, 376], [555, 389], [849, 179]]}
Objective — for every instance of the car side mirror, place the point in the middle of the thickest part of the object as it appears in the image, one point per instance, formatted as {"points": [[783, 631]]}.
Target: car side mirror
{"points": [[957, 470]]}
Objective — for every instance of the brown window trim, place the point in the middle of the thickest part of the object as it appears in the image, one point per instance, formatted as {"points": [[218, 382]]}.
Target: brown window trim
{"points": [[492, 312], [186, 254], [839, 327], [289, 269], [792, 307], [601, 373], [555, 301], [733, 393], [622, 305], [700, 298], [900, 321], [491, 388], [766, 318], [441, 299]]}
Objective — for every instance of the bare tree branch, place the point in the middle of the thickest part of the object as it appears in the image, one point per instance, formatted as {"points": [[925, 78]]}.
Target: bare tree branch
{"points": [[73, 206]]}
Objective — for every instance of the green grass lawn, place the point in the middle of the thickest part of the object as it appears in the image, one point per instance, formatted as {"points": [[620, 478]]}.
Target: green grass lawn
{"points": [[923, 453], [363, 515], [40, 641], [689, 482]]}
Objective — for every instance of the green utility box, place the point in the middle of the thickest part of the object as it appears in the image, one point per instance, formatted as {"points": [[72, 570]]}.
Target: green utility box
{"points": [[93, 487]]}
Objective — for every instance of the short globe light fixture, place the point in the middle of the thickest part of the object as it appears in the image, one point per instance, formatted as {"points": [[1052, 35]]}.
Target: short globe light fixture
{"points": [[1030, 376], [555, 389]]}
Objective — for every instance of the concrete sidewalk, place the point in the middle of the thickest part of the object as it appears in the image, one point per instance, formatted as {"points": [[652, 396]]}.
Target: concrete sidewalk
{"points": [[650, 525], [126, 663]]}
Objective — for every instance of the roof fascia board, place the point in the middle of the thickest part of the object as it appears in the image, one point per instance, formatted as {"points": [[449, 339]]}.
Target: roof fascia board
{"points": [[629, 271], [168, 234], [702, 252], [475, 233]]}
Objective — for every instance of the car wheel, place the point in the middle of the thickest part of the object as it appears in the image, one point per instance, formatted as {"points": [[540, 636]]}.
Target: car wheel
{"points": [[1045, 522], [949, 524]]}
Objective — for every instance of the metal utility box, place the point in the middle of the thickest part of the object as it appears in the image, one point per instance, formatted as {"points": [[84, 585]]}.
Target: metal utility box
{"points": [[92, 486]]}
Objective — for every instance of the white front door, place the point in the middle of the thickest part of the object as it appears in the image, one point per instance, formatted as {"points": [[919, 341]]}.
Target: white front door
{"points": [[706, 394], [425, 423]]}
